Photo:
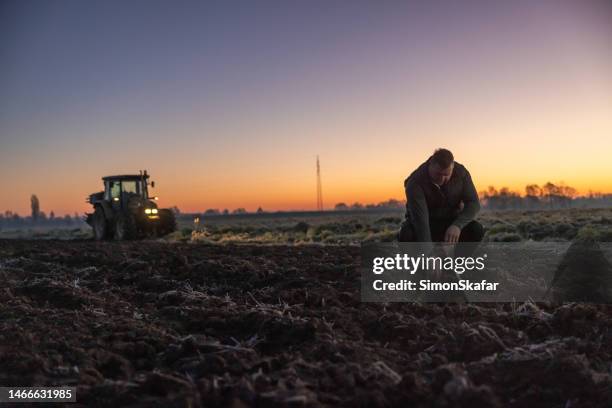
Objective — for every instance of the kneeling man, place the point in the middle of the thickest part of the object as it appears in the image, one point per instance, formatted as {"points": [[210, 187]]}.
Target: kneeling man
{"points": [[442, 203]]}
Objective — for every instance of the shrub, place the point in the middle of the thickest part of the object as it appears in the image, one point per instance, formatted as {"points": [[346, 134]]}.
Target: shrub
{"points": [[525, 227], [499, 228], [542, 231], [605, 235], [565, 230], [388, 220], [505, 237], [301, 227]]}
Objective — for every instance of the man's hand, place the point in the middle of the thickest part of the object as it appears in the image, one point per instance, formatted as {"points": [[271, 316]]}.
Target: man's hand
{"points": [[452, 234]]}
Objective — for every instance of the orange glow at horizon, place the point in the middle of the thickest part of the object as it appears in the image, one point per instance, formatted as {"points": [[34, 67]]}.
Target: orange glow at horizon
{"points": [[280, 174], [275, 192]]}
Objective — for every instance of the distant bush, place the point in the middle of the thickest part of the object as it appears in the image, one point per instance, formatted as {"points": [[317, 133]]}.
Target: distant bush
{"points": [[606, 236], [602, 220], [567, 231], [499, 228], [301, 227], [541, 231], [505, 237], [388, 220]]}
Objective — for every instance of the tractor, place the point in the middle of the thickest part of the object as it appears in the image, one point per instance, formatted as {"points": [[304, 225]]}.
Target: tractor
{"points": [[125, 211]]}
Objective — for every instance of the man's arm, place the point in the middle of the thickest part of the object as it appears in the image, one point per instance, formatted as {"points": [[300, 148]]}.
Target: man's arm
{"points": [[470, 201], [419, 214]]}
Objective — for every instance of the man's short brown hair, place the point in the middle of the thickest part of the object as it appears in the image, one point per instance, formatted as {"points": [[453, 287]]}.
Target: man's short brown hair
{"points": [[443, 158]]}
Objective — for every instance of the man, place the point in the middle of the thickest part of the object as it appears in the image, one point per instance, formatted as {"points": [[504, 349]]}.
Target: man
{"points": [[442, 203]]}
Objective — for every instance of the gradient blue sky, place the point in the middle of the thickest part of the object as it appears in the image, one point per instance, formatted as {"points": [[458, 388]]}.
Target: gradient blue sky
{"points": [[228, 103]]}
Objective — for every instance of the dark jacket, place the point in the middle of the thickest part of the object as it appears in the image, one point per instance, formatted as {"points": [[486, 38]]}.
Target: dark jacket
{"points": [[427, 203]]}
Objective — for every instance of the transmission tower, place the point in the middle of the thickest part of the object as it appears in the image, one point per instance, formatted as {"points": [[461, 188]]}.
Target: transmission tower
{"points": [[319, 188]]}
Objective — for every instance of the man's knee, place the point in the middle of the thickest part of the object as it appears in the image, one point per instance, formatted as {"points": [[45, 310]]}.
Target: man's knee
{"points": [[472, 232], [406, 232]]}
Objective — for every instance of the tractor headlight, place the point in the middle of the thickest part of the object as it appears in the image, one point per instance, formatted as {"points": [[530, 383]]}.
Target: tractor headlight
{"points": [[147, 211], [153, 210]]}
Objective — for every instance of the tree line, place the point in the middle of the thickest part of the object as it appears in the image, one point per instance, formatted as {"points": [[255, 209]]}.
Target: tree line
{"points": [[390, 204], [547, 196], [37, 217]]}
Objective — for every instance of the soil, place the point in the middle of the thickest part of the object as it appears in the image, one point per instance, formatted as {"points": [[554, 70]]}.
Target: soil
{"points": [[144, 324]]}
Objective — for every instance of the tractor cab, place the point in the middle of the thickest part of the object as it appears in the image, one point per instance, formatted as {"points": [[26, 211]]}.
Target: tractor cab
{"points": [[127, 191]]}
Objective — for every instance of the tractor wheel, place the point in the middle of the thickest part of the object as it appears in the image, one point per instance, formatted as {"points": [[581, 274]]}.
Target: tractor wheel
{"points": [[99, 224], [167, 222], [125, 227]]}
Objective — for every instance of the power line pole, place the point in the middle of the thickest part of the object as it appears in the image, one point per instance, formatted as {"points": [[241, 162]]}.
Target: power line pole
{"points": [[319, 188]]}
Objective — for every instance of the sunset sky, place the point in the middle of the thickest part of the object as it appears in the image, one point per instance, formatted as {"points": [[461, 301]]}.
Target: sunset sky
{"points": [[228, 103]]}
